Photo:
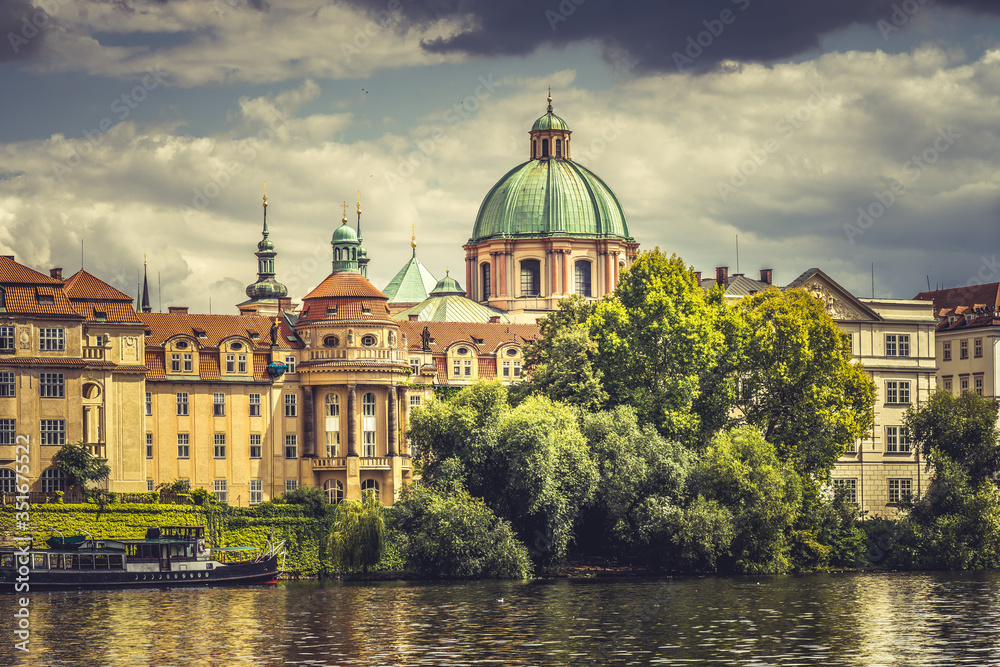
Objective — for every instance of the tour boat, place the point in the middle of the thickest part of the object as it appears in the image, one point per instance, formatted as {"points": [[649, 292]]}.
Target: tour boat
{"points": [[168, 556]]}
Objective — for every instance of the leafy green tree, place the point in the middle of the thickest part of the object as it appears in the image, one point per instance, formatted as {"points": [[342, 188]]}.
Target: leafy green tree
{"points": [[359, 533], [312, 499], [177, 486], [798, 385], [959, 428], [634, 463], [446, 533], [742, 473], [656, 337], [80, 466], [560, 363], [530, 464]]}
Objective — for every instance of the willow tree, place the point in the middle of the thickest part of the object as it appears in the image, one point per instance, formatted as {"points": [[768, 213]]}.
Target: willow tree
{"points": [[358, 538]]}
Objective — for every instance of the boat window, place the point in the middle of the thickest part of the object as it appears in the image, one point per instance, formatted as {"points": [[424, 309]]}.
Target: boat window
{"points": [[39, 562], [71, 561], [100, 562], [6, 560], [55, 561], [86, 562], [116, 563]]}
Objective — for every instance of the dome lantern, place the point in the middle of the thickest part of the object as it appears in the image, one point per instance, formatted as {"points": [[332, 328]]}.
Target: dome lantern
{"points": [[549, 136], [345, 247]]}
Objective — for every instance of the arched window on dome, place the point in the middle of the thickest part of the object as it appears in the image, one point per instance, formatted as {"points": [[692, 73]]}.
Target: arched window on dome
{"points": [[534, 149], [332, 404], [486, 280], [531, 283], [334, 491], [581, 272], [368, 427], [336, 254], [545, 147], [354, 254], [558, 147]]}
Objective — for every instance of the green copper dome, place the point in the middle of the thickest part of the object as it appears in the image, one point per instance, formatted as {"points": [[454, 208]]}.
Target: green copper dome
{"points": [[550, 197], [550, 121], [344, 234], [447, 286]]}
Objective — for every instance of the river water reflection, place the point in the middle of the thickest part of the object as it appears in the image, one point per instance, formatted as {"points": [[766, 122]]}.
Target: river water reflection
{"points": [[830, 619]]}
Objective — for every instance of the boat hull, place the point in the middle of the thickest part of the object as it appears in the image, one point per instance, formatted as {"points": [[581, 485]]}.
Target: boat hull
{"points": [[264, 570]]}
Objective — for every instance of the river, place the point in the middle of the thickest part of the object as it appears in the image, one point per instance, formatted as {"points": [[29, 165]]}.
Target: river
{"points": [[829, 619]]}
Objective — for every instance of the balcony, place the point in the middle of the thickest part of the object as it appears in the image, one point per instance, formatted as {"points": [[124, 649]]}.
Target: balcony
{"points": [[357, 354], [93, 353], [366, 462], [98, 449]]}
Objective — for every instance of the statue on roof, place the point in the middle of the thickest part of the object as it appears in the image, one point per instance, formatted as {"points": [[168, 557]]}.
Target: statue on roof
{"points": [[425, 339]]}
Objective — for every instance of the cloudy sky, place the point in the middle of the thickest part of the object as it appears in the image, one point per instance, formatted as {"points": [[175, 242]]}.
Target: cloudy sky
{"points": [[828, 133]]}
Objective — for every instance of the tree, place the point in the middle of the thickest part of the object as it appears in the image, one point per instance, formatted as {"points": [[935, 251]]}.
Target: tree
{"points": [[656, 337], [80, 466], [741, 472], [560, 362], [959, 428], [312, 499], [446, 533], [798, 385], [358, 538]]}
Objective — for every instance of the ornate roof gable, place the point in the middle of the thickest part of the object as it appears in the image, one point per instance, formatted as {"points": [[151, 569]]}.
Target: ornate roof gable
{"points": [[840, 304]]}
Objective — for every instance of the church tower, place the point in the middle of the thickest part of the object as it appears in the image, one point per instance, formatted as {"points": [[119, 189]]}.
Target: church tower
{"points": [[268, 297]]}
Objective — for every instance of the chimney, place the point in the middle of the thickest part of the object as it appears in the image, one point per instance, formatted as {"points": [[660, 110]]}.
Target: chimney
{"points": [[56, 273], [494, 319], [697, 276], [284, 303], [765, 275], [412, 317], [178, 310], [722, 276]]}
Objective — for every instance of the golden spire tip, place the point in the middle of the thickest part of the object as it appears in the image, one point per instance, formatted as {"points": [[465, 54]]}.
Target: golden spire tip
{"points": [[265, 194], [413, 236], [344, 219]]}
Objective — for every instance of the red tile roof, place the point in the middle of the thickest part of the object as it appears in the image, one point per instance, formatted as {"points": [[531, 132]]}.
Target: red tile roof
{"points": [[208, 366], [487, 368], [345, 284], [154, 362], [970, 307], [315, 310], [260, 368], [24, 300], [83, 285], [163, 326], [12, 273], [443, 334], [113, 312]]}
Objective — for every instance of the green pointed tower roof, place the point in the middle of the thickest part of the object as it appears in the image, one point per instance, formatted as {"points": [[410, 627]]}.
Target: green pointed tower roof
{"points": [[413, 282]]}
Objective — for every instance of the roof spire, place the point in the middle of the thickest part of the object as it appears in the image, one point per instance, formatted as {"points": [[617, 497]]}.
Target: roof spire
{"points": [[359, 215], [549, 109], [265, 209], [146, 308], [344, 219], [413, 238]]}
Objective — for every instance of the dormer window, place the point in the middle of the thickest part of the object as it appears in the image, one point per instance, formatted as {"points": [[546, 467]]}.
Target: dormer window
{"points": [[100, 316], [332, 310], [236, 346], [366, 311], [368, 340], [46, 300], [254, 335], [181, 345], [462, 351]]}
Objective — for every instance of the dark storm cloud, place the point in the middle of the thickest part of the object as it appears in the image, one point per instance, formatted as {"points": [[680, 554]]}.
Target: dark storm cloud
{"points": [[23, 28], [658, 35]]}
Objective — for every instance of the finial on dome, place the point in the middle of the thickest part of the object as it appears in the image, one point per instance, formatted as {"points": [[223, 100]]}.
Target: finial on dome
{"points": [[549, 109], [265, 209], [359, 202], [344, 219], [265, 194], [413, 238]]}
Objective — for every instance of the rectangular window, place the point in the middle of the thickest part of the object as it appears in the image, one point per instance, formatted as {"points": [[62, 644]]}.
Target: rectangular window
{"points": [[230, 363], [221, 491], [456, 369], [415, 401], [149, 486], [897, 440], [290, 363], [291, 485], [947, 350], [963, 349], [291, 447], [965, 383], [182, 404], [947, 384], [851, 485], [977, 383], [51, 385], [256, 491], [149, 404], [220, 445], [7, 384], [897, 345], [506, 369], [149, 445], [188, 363], [53, 431], [242, 364], [977, 347], [183, 445], [517, 369], [175, 363], [899, 489], [415, 366], [468, 368], [369, 444], [219, 405], [255, 447], [8, 431], [291, 407], [6, 339], [332, 440], [255, 405], [52, 339], [897, 391]]}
